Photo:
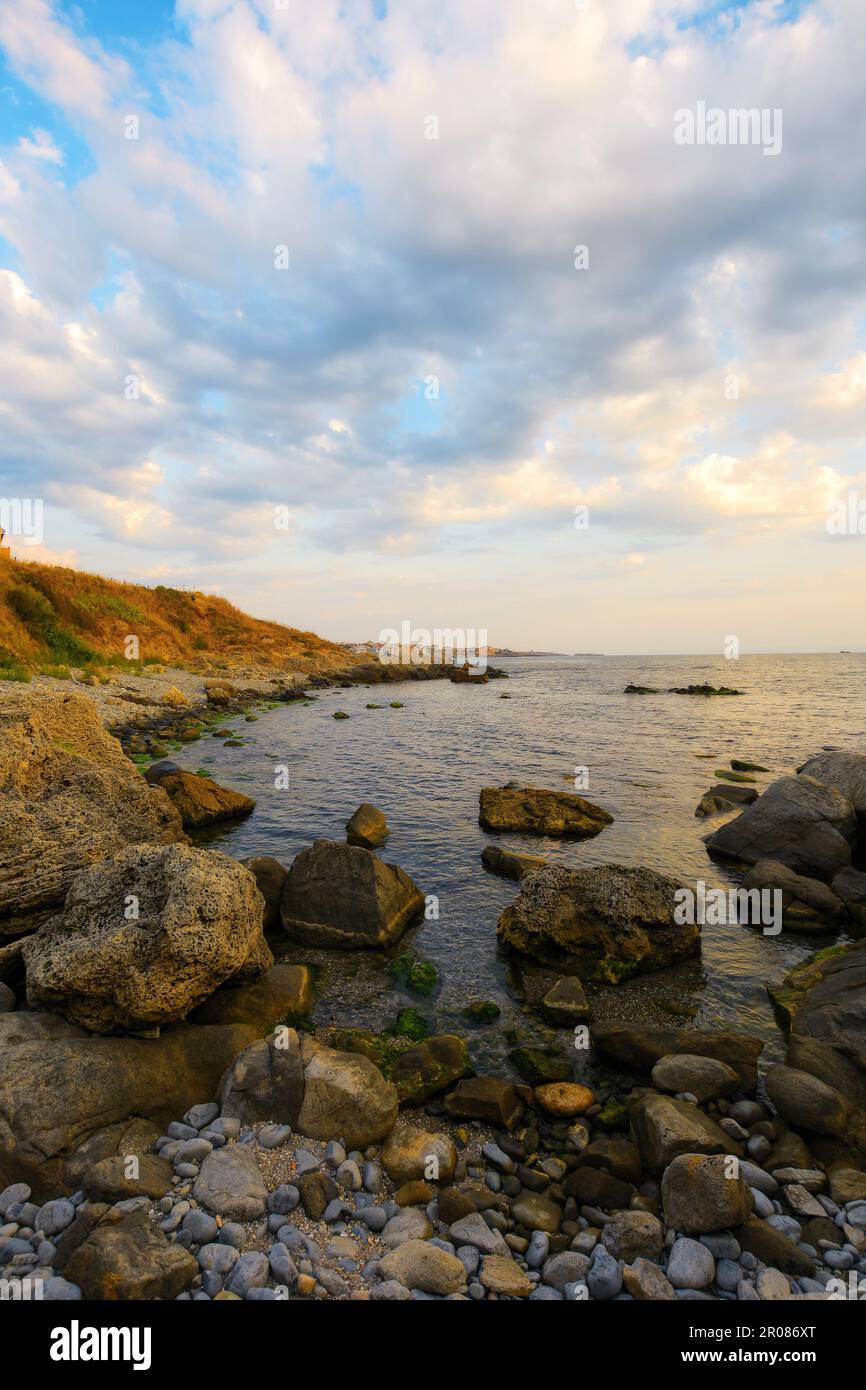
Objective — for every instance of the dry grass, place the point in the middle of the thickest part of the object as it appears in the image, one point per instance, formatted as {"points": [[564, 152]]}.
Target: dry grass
{"points": [[51, 616]]}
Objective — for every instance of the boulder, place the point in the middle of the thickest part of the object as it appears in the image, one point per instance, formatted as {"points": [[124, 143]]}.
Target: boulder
{"points": [[702, 1193], [283, 993], [485, 1098], [230, 1184], [664, 1128], [825, 998], [429, 1067], [59, 1085], [367, 827], [798, 822], [198, 924], [344, 896], [703, 1077], [509, 863], [850, 886], [129, 1138], [845, 772], [270, 877], [606, 922], [201, 801], [345, 1095], [724, 796], [412, 1153], [638, 1049], [68, 796], [265, 1082], [807, 903], [566, 1002], [123, 1257], [807, 1102], [535, 811]]}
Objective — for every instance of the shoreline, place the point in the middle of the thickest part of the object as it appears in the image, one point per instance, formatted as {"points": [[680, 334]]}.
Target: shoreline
{"points": [[551, 1190]]}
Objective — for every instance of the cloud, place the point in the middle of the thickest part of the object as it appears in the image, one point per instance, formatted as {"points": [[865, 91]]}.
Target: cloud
{"points": [[431, 174]]}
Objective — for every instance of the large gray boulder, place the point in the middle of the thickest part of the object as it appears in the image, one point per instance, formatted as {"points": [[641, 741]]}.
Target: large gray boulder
{"points": [[265, 1081], [68, 796], [342, 895], [59, 1085], [601, 923], [825, 998], [845, 772], [146, 936], [346, 1095], [799, 822]]}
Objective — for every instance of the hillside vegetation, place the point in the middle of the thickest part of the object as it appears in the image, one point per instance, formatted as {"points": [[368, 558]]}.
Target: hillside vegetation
{"points": [[53, 618]]}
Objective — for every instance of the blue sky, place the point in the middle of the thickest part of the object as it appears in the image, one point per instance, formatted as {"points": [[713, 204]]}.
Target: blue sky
{"points": [[323, 210]]}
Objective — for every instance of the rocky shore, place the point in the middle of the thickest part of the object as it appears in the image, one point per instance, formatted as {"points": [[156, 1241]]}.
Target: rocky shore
{"points": [[172, 1126]]}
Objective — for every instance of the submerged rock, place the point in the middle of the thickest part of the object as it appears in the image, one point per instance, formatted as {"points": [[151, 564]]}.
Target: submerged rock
{"points": [[724, 797], [535, 811], [601, 923], [509, 863], [566, 1002], [146, 936], [344, 896]]}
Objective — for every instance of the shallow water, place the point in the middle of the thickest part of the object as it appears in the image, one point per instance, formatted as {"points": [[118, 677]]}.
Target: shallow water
{"points": [[424, 765]]}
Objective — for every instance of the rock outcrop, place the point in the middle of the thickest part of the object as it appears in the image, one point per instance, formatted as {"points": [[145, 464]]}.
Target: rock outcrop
{"points": [[68, 797], [145, 936], [344, 896], [601, 923], [535, 811], [798, 822]]}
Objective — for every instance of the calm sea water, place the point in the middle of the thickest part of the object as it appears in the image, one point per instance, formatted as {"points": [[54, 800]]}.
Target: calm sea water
{"points": [[424, 765]]}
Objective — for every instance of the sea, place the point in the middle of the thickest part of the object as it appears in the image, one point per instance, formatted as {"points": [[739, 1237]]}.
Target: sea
{"points": [[646, 759]]}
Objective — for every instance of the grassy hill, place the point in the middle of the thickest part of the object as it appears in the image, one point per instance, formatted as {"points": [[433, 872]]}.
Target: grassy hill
{"points": [[53, 619]]}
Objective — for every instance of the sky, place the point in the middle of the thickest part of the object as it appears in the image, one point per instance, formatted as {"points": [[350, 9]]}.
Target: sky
{"points": [[463, 315]]}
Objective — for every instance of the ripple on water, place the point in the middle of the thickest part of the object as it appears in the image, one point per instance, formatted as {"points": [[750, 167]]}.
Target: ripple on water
{"points": [[649, 759]]}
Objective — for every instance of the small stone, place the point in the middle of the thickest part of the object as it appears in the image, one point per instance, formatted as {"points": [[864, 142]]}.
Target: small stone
{"points": [[690, 1264], [502, 1275], [564, 1099]]}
